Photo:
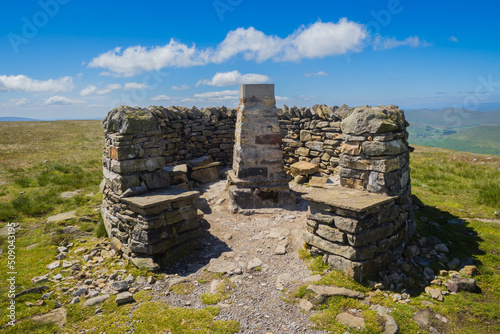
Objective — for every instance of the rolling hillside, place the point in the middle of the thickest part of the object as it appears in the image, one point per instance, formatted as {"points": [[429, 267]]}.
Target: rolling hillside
{"points": [[456, 129], [480, 139]]}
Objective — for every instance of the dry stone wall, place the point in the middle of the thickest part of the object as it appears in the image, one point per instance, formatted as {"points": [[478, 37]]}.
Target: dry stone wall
{"points": [[314, 135], [148, 208]]}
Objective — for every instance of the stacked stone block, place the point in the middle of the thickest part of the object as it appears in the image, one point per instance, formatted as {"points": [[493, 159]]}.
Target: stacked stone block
{"points": [[144, 216], [358, 232], [375, 153], [258, 178], [364, 224]]}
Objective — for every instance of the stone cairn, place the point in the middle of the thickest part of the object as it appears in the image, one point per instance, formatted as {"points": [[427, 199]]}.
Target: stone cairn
{"points": [[363, 225], [258, 178]]}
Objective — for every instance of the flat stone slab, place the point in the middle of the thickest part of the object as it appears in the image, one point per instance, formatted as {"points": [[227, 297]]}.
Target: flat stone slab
{"points": [[303, 168], [349, 199], [62, 217], [154, 202], [57, 316], [212, 164], [317, 182], [202, 161]]}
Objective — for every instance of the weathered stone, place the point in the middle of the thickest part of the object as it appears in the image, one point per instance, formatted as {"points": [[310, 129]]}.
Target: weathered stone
{"points": [[303, 168], [390, 327], [254, 263], [317, 182], [159, 200], [96, 300], [349, 199], [124, 298], [351, 320], [469, 271], [302, 151], [393, 147], [305, 305], [198, 162], [434, 293], [315, 145], [305, 136], [119, 286], [374, 120], [62, 217], [323, 291], [348, 252], [351, 148], [222, 266], [331, 233], [205, 175], [53, 265], [57, 316], [465, 284], [422, 317], [156, 180], [127, 120]]}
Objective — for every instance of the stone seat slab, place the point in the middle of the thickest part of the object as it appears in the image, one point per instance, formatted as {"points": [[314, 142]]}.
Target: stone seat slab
{"points": [[154, 202], [349, 199], [212, 164]]}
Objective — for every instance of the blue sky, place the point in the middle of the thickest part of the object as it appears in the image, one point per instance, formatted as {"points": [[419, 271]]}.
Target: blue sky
{"points": [[71, 59]]}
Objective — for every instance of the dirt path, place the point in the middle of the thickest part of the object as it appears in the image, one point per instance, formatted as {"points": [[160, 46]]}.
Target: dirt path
{"points": [[256, 300]]}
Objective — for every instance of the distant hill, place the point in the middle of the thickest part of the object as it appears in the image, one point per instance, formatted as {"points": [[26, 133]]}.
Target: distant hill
{"points": [[456, 129], [16, 119], [453, 117], [479, 139]]}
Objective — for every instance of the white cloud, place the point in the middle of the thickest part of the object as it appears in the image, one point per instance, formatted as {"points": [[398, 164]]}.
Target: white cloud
{"points": [[161, 98], [19, 102], [391, 42], [220, 95], [182, 87], [234, 78], [134, 85], [61, 100], [136, 59], [282, 98], [89, 90], [318, 40], [453, 39], [319, 73], [93, 90], [23, 83], [327, 39]]}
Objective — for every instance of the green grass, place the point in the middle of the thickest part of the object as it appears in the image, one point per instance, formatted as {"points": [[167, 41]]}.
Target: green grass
{"points": [[223, 292], [456, 183], [457, 186], [326, 320]]}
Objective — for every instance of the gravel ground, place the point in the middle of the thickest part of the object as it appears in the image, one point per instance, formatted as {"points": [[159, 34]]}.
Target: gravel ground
{"points": [[257, 295]]}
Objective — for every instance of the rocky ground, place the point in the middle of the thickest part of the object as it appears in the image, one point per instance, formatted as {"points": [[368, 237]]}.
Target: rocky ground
{"points": [[247, 265]]}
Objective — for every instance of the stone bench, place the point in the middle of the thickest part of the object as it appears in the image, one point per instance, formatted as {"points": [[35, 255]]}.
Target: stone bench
{"points": [[359, 232], [150, 224]]}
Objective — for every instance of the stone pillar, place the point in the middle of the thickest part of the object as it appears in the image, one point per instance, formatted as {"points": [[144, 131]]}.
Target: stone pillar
{"points": [[258, 178], [375, 155], [363, 225]]}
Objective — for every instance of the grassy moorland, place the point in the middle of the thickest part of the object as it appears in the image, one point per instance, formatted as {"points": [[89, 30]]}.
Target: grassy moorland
{"points": [[41, 160]]}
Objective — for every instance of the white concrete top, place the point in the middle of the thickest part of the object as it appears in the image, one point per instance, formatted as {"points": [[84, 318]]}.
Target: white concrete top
{"points": [[257, 90]]}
